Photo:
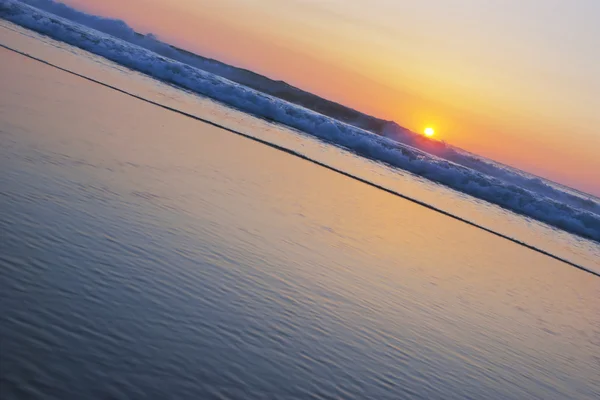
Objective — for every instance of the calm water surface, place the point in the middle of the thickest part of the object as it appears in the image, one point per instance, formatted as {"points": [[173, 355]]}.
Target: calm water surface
{"points": [[146, 255]]}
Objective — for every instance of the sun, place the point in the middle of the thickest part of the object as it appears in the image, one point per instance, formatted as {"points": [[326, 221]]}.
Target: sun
{"points": [[429, 132]]}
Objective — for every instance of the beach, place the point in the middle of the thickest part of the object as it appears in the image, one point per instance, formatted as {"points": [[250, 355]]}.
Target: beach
{"points": [[149, 255]]}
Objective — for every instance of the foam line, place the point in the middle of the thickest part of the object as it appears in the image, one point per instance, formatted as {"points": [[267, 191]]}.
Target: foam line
{"points": [[513, 190], [306, 158]]}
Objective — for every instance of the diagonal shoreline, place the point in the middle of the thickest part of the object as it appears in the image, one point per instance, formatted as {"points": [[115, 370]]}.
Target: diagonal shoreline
{"points": [[308, 159], [527, 196]]}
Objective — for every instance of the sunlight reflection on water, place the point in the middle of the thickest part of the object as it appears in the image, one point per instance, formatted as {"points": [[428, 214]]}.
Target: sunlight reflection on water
{"points": [[143, 254]]}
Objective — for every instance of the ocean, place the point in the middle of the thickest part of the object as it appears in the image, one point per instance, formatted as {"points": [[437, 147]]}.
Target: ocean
{"points": [[147, 254], [514, 190]]}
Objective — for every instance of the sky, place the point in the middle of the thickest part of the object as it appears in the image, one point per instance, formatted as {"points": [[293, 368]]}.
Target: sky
{"points": [[517, 81]]}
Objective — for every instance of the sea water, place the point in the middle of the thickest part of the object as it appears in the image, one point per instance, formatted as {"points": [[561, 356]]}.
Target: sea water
{"points": [[144, 254]]}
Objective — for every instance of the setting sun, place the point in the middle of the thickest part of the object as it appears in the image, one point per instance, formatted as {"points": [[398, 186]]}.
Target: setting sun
{"points": [[429, 132]]}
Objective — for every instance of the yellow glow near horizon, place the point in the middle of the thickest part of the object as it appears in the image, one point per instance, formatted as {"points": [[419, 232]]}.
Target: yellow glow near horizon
{"points": [[448, 71], [429, 132]]}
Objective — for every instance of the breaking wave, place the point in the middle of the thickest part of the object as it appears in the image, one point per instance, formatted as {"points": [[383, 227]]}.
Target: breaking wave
{"points": [[509, 188]]}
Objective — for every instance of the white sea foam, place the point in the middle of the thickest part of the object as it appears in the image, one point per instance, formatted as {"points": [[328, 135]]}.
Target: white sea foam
{"points": [[396, 146]]}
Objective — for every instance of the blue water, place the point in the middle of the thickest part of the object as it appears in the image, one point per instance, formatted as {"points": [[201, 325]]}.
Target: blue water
{"points": [[146, 255]]}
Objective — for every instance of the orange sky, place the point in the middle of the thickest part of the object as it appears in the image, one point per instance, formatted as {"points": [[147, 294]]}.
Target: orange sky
{"points": [[515, 80]]}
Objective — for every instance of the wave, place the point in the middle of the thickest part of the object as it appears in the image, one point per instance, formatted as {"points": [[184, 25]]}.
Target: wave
{"points": [[509, 188]]}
